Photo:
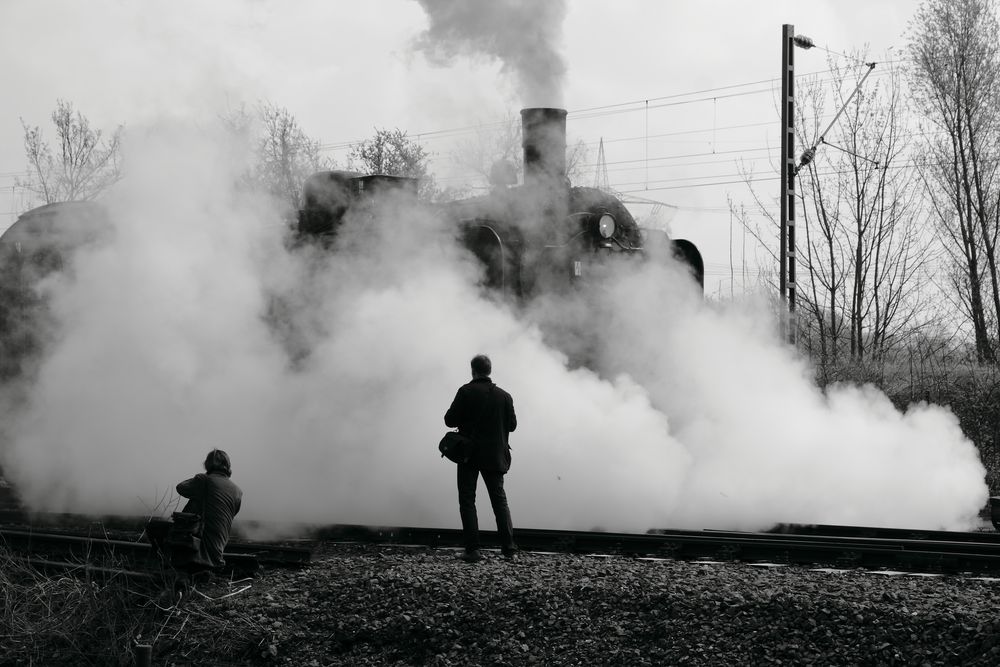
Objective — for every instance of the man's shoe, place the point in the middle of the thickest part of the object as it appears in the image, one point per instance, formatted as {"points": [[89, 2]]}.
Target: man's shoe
{"points": [[472, 556], [509, 554]]}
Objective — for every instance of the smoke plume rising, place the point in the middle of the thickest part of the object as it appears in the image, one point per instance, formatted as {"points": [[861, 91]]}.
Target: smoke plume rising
{"points": [[521, 34], [326, 375]]}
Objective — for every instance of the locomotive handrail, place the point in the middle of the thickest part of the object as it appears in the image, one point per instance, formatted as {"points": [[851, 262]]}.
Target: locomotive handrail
{"points": [[503, 261]]}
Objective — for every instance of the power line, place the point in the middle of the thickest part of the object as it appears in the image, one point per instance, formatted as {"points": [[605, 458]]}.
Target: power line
{"points": [[591, 112], [708, 180], [620, 187], [686, 155], [639, 103], [706, 130], [730, 91]]}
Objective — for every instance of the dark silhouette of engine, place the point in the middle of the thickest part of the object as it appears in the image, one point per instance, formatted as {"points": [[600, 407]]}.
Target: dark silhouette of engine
{"points": [[541, 236], [40, 242]]}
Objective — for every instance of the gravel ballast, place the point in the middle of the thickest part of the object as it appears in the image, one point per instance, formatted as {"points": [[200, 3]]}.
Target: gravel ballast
{"points": [[390, 605]]}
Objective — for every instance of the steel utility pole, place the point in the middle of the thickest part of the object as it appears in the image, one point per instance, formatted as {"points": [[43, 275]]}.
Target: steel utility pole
{"points": [[787, 280]]}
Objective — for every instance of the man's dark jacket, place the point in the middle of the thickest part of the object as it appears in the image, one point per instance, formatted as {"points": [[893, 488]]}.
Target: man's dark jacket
{"points": [[217, 499], [485, 413]]}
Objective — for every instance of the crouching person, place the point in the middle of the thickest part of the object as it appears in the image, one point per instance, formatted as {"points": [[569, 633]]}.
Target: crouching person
{"points": [[216, 499]]}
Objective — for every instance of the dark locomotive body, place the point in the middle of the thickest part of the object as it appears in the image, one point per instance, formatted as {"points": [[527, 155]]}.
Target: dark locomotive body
{"points": [[328, 195], [542, 236], [41, 242]]}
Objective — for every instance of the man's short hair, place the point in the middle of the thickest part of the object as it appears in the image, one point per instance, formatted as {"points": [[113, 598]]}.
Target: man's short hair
{"points": [[481, 365], [218, 461]]}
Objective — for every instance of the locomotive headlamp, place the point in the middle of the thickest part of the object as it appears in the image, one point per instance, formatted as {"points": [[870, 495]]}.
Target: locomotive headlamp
{"points": [[606, 225]]}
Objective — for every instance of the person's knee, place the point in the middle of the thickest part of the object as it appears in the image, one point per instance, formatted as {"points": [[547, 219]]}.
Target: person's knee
{"points": [[498, 497]]}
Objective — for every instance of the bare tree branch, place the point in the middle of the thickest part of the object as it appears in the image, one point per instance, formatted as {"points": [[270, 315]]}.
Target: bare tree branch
{"points": [[85, 166]]}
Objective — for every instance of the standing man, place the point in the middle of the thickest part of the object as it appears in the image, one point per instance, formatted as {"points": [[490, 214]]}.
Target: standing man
{"points": [[484, 412]]}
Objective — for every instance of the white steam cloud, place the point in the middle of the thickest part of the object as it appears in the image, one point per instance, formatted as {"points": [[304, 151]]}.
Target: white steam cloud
{"points": [[521, 34], [763, 442], [175, 338]]}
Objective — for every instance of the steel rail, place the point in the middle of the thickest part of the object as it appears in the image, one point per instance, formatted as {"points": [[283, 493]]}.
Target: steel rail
{"points": [[831, 530], [243, 555], [88, 570], [837, 546], [952, 556]]}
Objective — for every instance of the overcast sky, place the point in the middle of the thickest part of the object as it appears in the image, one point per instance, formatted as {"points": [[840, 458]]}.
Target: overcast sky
{"points": [[345, 68]]}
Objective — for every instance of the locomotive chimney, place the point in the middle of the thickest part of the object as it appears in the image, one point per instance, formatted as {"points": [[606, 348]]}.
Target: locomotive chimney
{"points": [[543, 136]]}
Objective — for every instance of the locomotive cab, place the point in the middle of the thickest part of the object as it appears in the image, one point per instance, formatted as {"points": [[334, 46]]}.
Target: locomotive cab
{"points": [[328, 195]]}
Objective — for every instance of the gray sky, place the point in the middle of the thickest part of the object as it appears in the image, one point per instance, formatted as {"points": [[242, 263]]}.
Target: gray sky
{"points": [[163, 352], [344, 69]]}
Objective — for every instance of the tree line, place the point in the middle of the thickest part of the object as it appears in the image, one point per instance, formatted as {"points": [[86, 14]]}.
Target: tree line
{"points": [[898, 212], [84, 162]]}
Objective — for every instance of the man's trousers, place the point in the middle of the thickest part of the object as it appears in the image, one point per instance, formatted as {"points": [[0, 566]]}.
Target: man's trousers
{"points": [[468, 479]]}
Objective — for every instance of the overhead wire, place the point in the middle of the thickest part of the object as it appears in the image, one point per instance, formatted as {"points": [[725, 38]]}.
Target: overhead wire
{"points": [[606, 110], [835, 53], [600, 111], [910, 164]]}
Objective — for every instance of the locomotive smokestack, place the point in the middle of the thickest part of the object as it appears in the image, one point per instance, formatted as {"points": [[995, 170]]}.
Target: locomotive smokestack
{"points": [[543, 136]]}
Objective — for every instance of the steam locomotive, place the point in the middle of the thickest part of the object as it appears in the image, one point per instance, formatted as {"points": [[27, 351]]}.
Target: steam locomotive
{"points": [[541, 236]]}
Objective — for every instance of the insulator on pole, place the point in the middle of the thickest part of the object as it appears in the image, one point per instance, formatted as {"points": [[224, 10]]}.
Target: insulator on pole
{"points": [[807, 157], [803, 42]]}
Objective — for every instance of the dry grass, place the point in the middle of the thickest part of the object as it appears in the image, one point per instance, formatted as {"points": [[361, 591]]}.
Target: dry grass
{"points": [[72, 617], [93, 615]]}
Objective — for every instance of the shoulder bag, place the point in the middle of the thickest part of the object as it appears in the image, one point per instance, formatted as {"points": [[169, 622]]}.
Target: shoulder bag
{"points": [[456, 447]]}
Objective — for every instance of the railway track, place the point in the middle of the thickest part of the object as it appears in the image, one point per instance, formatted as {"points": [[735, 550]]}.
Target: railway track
{"points": [[117, 546], [79, 539], [831, 546]]}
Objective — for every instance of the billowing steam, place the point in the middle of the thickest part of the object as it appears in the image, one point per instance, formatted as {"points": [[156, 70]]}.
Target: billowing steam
{"points": [[326, 376], [762, 441], [521, 34]]}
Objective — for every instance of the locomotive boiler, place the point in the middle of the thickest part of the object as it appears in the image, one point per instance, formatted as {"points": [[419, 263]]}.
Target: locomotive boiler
{"points": [[544, 235], [39, 243]]}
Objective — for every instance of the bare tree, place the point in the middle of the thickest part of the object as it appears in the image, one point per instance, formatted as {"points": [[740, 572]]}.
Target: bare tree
{"points": [[490, 145], [864, 251], [394, 153], [84, 164], [285, 156], [861, 251], [956, 84]]}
